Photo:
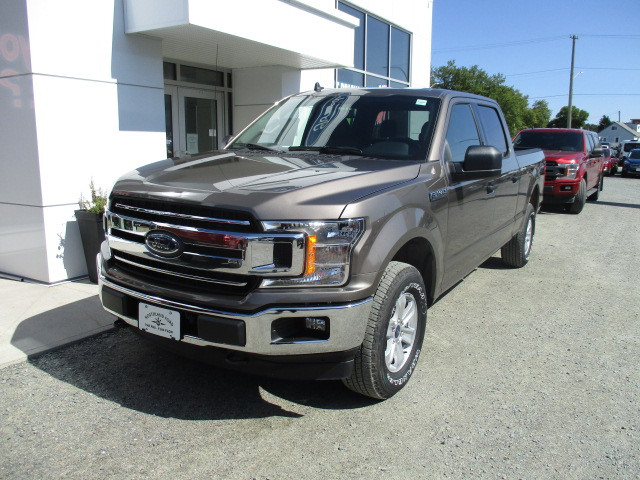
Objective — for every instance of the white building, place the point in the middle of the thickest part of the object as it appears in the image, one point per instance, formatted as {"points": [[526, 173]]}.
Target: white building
{"points": [[618, 132], [93, 89]]}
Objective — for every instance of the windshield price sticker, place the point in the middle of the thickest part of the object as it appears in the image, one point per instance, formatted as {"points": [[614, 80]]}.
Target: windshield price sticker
{"points": [[159, 321]]}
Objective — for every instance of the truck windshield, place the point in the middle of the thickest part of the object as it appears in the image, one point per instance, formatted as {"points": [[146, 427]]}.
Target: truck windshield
{"points": [[548, 140], [391, 126]]}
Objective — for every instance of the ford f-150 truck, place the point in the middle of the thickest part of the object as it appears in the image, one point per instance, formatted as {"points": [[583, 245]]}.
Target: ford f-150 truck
{"points": [[312, 245], [574, 164]]}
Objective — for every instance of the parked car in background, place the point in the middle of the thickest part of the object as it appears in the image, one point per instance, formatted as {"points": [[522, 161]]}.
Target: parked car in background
{"points": [[574, 164], [625, 149], [631, 165], [609, 161]]}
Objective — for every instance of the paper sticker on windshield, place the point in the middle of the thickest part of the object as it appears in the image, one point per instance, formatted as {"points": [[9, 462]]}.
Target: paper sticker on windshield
{"points": [[421, 102]]}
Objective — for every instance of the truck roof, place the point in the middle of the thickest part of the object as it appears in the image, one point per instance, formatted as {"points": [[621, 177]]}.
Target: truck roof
{"points": [[409, 92]]}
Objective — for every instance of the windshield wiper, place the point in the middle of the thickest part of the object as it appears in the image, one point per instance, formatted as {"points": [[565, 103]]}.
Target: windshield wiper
{"points": [[254, 146], [329, 149]]}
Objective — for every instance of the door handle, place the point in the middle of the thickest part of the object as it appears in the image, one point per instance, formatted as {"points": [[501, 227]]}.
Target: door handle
{"points": [[491, 187], [515, 178]]}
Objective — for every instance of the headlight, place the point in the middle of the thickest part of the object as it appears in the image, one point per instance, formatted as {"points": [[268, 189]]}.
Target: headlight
{"points": [[572, 170], [327, 251]]}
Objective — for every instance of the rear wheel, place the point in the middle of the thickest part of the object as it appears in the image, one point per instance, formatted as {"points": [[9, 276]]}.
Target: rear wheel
{"points": [[389, 353], [516, 253], [595, 195], [581, 197]]}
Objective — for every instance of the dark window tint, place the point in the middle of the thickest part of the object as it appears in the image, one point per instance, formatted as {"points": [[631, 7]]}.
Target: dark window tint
{"points": [[349, 78], [358, 45], [168, 120], [461, 134], [549, 140], [169, 71], [201, 75], [493, 128], [377, 47], [399, 54]]}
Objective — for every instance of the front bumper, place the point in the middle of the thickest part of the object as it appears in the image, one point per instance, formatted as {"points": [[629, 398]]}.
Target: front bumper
{"points": [[261, 331], [561, 191]]}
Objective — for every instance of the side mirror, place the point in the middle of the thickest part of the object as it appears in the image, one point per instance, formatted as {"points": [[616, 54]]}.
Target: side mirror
{"points": [[226, 141], [480, 161], [596, 152]]}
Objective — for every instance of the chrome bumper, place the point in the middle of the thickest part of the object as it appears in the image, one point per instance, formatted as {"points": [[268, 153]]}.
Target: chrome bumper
{"points": [[347, 323]]}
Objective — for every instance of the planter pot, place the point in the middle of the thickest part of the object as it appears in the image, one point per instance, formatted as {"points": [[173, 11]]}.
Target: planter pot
{"points": [[92, 235]]}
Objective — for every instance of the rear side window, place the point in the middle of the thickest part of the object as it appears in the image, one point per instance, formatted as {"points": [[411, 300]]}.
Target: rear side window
{"points": [[461, 133], [590, 144], [493, 128]]}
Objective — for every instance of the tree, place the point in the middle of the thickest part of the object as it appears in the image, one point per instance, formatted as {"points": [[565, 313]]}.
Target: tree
{"points": [[539, 114], [513, 103], [578, 118], [604, 122]]}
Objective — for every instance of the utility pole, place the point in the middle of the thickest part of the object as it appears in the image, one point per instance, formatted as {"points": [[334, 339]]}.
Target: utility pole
{"points": [[573, 54]]}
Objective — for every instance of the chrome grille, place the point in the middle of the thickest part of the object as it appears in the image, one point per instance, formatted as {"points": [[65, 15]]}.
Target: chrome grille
{"points": [[220, 250]]}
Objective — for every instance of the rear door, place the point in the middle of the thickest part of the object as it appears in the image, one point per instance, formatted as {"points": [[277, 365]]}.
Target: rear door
{"points": [[506, 187]]}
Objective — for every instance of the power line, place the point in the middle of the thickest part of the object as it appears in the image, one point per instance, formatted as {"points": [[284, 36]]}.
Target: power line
{"points": [[609, 36], [532, 40], [499, 45], [566, 68], [592, 95]]}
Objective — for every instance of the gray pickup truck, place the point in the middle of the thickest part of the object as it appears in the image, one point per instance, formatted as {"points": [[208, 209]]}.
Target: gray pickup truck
{"points": [[312, 245]]}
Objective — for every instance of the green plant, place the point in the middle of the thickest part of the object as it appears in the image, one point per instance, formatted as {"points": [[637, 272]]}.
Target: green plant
{"points": [[98, 200]]}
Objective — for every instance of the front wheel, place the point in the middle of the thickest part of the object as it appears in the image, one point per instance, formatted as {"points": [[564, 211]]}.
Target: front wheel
{"points": [[517, 251], [389, 353], [581, 197]]}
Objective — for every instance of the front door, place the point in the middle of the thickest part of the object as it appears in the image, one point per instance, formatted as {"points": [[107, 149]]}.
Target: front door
{"points": [[193, 119], [471, 202]]}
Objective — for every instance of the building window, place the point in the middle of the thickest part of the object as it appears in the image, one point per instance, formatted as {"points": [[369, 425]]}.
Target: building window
{"points": [[169, 71], [203, 76], [381, 54]]}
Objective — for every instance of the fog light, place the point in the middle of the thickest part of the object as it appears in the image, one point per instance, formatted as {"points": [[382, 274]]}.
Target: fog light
{"points": [[313, 323], [565, 188]]}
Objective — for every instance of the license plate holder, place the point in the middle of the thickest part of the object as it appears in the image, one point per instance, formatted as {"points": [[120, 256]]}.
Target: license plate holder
{"points": [[159, 321]]}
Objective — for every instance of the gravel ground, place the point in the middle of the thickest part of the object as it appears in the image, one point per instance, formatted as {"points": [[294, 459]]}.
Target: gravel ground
{"points": [[526, 374]]}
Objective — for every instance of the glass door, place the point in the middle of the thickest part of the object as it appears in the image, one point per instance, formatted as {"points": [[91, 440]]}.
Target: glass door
{"points": [[200, 113], [194, 120]]}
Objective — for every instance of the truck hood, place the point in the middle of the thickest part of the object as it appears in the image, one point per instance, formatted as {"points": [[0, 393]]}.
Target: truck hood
{"points": [[563, 156], [282, 187]]}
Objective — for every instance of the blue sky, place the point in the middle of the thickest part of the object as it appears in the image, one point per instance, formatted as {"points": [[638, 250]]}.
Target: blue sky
{"points": [[536, 34]]}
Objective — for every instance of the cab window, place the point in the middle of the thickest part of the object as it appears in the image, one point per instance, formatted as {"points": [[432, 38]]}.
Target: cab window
{"points": [[461, 133], [493, 128]]}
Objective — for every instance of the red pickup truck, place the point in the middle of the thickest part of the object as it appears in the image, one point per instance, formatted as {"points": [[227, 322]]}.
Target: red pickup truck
{"points": [[573, 164]]}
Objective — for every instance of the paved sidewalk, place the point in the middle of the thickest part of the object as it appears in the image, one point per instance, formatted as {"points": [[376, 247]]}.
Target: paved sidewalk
{"points": [[35, 318]]}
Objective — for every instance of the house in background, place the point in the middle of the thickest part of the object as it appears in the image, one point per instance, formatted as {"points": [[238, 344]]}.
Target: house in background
{"points": [[618, 132], [90, 90]]}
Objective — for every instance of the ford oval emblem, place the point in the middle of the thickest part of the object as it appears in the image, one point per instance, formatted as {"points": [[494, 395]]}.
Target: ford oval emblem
{"points": [[164, 244]]}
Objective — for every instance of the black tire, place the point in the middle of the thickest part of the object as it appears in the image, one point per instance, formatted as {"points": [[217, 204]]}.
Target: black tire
{"points": [[613, 171], [581, 197], [595, 195], [393, 340], [517, 251]]}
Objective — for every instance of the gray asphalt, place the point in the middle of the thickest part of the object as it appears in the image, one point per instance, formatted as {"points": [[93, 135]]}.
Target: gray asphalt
{"points": [[525, 374]]}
